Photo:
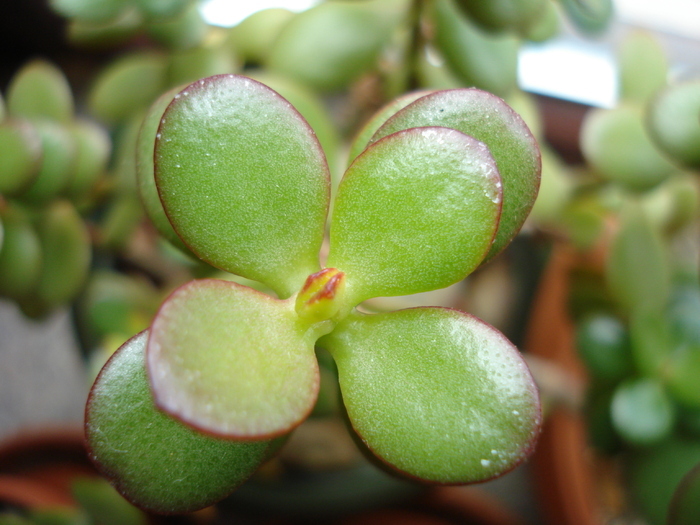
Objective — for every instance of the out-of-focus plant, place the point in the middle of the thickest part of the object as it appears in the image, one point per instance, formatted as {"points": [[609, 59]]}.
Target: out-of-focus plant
{"points": [[638, 311]]}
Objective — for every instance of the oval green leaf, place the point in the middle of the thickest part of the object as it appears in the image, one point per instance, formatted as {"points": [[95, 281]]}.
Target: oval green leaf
{"points": [[40, 90], [232, 361], [637, 268], [478, 58], [416, 211], [20, 257], [93, 151], [643, 66], [490, 120], [243, 180], [617, 146], [435, 393], [58, 162], [126, 86], [344, 39], [20, 151], [642, 412], [673, 120], [155, 461], [67, 254]]}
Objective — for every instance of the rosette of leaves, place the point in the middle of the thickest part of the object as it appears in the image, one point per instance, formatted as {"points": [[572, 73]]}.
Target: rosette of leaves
{"points": [[187, 410]]}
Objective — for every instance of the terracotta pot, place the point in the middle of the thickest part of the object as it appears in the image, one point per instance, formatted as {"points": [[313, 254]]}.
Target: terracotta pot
{"points": [[563, 462], [38, 466]]}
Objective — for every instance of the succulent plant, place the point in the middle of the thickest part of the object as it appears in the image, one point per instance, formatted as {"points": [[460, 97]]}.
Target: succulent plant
{"points": [[187, 410]]}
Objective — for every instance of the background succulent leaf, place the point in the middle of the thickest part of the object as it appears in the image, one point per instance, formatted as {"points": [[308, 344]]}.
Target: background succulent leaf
{"points": [[435, 393], [127, 85], [21, 152], [67, 253], [637, 269], [685, 504], [155, 461], [415, 212], [232, 361], [616, 145], [243, 180], [643, 67], [40, 90], [58, 162], [345, 39], [478, 58], [21, 254], [489, 119], [673, 120]]}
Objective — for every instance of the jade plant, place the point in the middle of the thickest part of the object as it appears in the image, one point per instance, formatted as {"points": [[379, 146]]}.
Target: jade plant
{"points": [[187, 410]]}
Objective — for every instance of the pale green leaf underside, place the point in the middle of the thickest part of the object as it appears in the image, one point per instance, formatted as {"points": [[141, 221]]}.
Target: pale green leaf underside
{"points": [[415, 212], [489, 119], [243, 180], [435, 393], [145, 169], [232, 361], [155, 461]]}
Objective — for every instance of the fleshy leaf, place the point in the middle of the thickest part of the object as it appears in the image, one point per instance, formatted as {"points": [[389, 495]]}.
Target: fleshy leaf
{"points": [[616, 144], [57, 162], [67, 253], [21, 256], [685, 504], [643, 66], [435, 393], [637, 269], [345, 39], [489, 119], [415, 212], [477, 57], [93, 150], [673, 121], [379, 118], [590, 16], [145, 169], [40, 90], [243, 180], [155, 461], [232, 361], [20, 151], [642, 412], [127, 85]]}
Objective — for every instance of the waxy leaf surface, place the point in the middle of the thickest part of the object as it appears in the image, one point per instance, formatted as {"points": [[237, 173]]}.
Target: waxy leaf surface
{"points": [[365, 135], [489, 119], [232, 361], [154, 460], [243, 180], [435, 393], [416, 211]]}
